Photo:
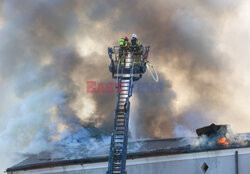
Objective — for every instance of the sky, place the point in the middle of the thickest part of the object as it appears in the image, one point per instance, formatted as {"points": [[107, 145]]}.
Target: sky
{"points": [[50, 49]]}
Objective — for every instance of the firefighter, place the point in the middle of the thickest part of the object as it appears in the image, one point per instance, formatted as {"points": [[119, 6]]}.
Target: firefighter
{"points": [[126, 41], [123, 49], [122, 42], [137, 48], [133, 40]]}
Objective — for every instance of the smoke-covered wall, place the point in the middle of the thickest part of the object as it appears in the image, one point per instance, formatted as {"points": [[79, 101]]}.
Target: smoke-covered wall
{"points": [[49, 49]]}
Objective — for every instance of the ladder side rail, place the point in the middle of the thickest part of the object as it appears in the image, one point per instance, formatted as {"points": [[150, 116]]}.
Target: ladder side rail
{"points": [[126, 140], [126, 117], [112, 149], [112, 146], [124, 149], [131, 82], [111, 154]]}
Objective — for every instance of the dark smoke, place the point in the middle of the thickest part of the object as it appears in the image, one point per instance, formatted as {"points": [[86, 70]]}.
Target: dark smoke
{"points": [[181, 38]]}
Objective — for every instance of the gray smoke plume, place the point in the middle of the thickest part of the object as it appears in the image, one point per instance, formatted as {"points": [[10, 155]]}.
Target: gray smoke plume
{"points": [[49, 49]]}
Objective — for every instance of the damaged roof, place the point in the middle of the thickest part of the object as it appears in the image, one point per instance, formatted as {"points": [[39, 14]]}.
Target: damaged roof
{"points": [[68, 155]]}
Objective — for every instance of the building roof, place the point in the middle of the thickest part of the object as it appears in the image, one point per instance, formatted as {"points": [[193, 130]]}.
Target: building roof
{"points": [[82, 154]]}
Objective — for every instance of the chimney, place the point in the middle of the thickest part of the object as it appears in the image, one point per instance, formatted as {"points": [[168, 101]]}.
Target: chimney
{"points": [[213, 130]]}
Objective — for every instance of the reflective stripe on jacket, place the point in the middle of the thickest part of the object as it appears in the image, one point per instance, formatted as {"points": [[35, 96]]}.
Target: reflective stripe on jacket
{"points": [[122, 41]]}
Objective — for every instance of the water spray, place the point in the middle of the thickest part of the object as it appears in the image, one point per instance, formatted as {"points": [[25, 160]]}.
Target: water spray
{"points": [[152, 71]]}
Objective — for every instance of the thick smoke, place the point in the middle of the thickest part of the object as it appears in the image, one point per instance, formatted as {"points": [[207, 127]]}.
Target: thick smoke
{"points": [[49, 49], [38, 58]]}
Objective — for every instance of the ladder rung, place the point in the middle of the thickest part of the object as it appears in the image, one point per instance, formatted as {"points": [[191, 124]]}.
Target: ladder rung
{"points": [[120, 110], [118, 155], [117, 165], [121, 121], [122, 134], [116, 171], [119, 148], [121, 138], [117, 160], [124, 92], [119, 127], [122, 95], [122, 102], [121, 118], [117, 151], [124, 89]]}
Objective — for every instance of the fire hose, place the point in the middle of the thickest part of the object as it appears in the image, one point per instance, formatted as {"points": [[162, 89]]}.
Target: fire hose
{"points": [[152, 71]]}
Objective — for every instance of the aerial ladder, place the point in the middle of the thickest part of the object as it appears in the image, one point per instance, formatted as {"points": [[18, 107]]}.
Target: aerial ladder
{"points": [[127, 66]]}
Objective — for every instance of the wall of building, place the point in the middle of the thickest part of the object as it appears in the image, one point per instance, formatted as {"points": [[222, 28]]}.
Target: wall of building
{"points": [[219, 162]]}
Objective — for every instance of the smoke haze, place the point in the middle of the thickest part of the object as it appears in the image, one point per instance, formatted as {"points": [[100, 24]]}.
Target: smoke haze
{"points": [[49, 49]]}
